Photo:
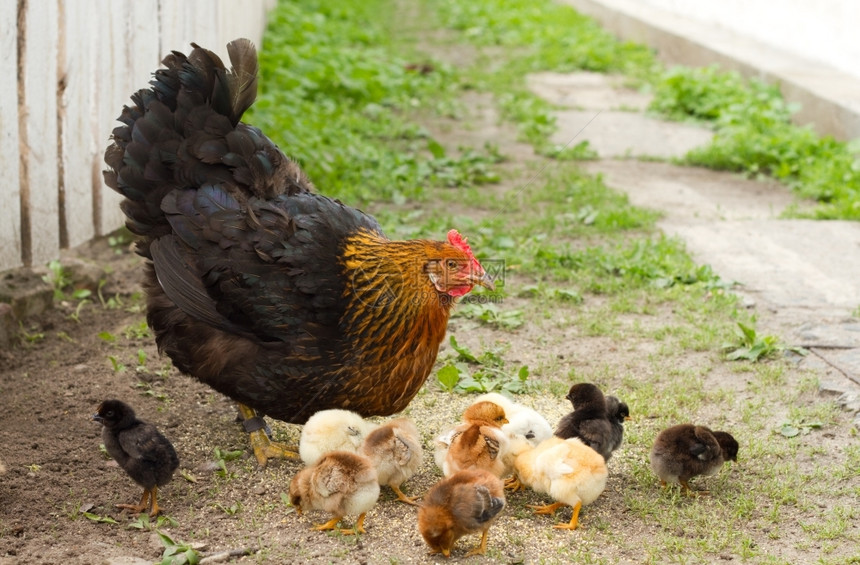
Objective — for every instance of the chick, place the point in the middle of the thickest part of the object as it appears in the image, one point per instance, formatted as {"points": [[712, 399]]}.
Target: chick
{"points": [[572, 473], [140, 449], [589, 420], [684, 451], [479, 441], [522, 420], [468, 501], [332, 430], [341, 483], [394, 448], [618, 412]]}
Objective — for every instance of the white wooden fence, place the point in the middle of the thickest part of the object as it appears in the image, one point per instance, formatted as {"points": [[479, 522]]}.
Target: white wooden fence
{"points": [[77, 62]]}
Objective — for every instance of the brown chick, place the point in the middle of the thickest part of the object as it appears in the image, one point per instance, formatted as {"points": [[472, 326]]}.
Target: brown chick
{"points": [[341, 483], [140, 449], [684, 451], [572, 473], [468, 501], [395, 451], [479, 441]]}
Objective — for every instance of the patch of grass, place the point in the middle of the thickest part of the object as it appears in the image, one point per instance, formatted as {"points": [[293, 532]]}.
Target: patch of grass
{"points": [[754, 135], [334, 93]]}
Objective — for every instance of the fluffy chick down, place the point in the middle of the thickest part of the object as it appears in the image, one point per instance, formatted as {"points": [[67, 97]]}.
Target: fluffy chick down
{"points": [[467, 502], [332, 430], [341, 483], [395, 450]]}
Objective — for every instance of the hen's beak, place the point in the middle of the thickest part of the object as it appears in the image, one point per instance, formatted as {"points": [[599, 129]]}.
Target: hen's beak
{"points": [[484, 280]]}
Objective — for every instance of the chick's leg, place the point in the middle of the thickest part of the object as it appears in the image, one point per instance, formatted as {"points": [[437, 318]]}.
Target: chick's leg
{"points": [[154, 510], [574, 519], [136, 508], [514, 484], [330, 525], [264, 448], [403, 498], [357, 529], [482, 547], [548, 509]]}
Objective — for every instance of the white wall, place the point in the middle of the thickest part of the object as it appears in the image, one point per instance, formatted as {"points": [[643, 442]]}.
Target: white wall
{"points": [[79, 62], [826, 31]]}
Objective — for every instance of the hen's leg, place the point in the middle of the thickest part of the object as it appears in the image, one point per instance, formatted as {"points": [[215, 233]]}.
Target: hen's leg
{"points": [[574, 519], [264, 448], [137, 508]]}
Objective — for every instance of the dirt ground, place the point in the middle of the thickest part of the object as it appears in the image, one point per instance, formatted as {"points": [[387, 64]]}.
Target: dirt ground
{"points": [[58, 494]]}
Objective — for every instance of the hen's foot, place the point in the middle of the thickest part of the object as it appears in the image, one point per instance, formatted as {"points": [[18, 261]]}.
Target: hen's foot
{"points": [[264, 448]]}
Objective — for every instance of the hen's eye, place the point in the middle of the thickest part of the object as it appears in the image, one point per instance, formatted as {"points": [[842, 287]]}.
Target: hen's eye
{"points": [[451, 263]]}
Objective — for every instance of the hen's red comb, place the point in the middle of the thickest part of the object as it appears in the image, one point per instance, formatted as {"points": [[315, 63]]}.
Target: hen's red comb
{"points": [[458, 241]]}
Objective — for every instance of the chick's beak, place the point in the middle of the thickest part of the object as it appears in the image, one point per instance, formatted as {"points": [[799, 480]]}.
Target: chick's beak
{"points": [[97, 418]]}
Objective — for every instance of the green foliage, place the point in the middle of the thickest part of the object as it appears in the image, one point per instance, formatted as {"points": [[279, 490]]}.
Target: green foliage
{"points": [[58, 277], [544, 35], [335, 95], [754, 135], [221, 459], [99, 518], [177, 553], [794, 428], [468, 372], [752, 347]]}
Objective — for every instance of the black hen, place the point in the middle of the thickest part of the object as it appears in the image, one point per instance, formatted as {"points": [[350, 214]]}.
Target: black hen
{"points": [[140, 449], [285, 300]]}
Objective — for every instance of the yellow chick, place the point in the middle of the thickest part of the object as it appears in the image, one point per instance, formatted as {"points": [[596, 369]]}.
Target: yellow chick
{"points": [[572, 473], [394, 448], [341, 483], [332, 430], [479, 441], [468, 501]]}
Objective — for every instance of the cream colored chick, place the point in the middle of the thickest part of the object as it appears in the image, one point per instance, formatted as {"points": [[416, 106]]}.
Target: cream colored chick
{"points": [[332, 430], [342, 483], [572, 473], [479, 442], [522, 420], [468, 501], [394, 448]]}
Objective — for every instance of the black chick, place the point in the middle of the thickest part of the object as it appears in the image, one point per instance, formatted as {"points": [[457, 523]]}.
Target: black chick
{"points": [[684, 451], [617, 412], [589, 420], [147, 456]]}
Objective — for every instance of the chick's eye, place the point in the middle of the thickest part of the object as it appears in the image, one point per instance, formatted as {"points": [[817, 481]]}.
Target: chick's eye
{"points": [[109, 414]]}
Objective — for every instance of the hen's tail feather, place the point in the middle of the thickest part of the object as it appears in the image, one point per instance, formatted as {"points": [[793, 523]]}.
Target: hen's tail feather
{"points": [[184, 131]]}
